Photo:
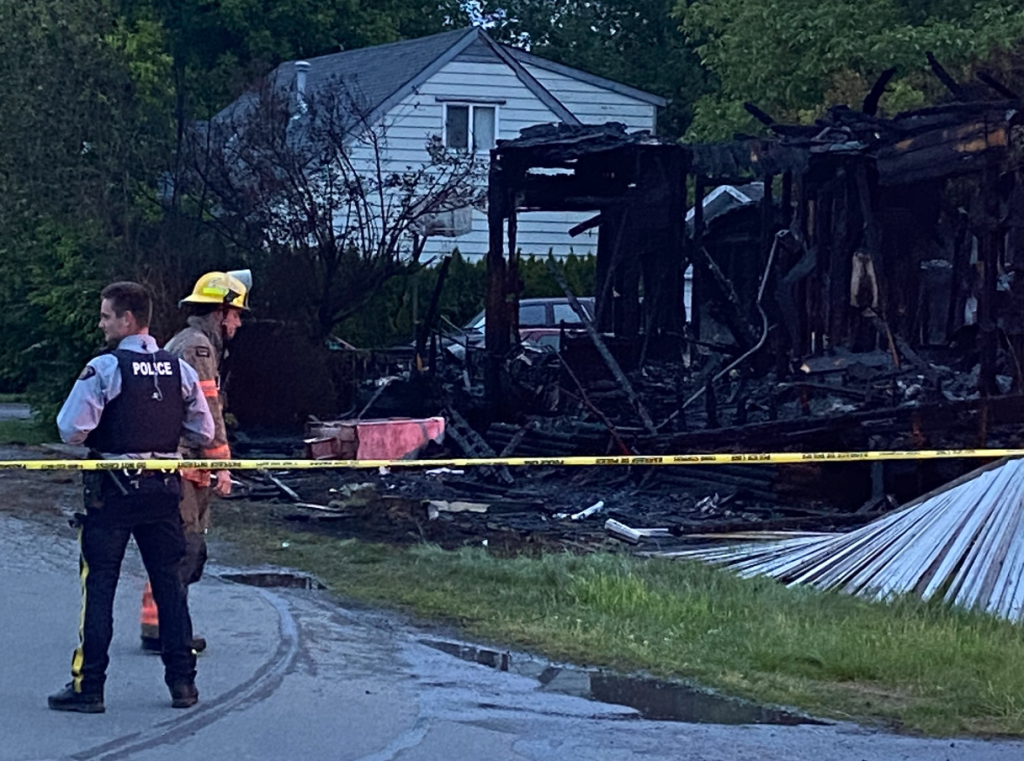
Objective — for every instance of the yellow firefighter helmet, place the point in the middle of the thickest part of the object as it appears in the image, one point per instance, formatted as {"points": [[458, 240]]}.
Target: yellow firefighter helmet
{"points": [[227, 288]]}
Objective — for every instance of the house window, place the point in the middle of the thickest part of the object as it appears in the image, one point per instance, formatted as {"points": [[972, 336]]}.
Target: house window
{"points": [[470, 125]]}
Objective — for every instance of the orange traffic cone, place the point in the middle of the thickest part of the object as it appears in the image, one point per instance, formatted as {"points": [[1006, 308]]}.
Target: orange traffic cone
{"points": [[150, 621]]}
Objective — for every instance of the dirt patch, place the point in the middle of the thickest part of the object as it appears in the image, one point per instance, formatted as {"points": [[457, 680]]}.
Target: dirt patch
{"points": [[42, 496]]}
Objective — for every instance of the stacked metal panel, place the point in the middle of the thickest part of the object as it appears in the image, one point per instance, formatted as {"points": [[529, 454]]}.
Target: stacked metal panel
{"points": [[965, 544]]}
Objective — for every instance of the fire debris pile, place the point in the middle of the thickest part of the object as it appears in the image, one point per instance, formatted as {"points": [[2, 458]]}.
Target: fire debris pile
{"points": [[852, 284], [543, 509]]}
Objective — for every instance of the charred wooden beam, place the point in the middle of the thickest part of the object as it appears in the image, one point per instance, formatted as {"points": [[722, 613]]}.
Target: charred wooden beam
{"points": [[898, 347], [827, 388], [741, 412], [497, 328], [944, 76], [628, 272], [609, 255], [606, 355], [716, 180], [850, 429], [585, 398], [961, 265], [795, 264], [665, 262], [683, 199], [599, 150], [571, 192], [767, 216], [472, 443], [839, 275], [998, 86], [872, 234], [513, 231], [570, 203], [732, 310], [426, 328], [758, 114], [711, 403], [787, 200], [697, 244], [990, 244], [966, 147], [517, 438], [710, 285], [588, 224], [870, 106], [587, 438], [513, 286]]}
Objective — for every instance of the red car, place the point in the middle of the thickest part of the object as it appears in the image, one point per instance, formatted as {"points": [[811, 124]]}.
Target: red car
{"points": [[540, 321]]}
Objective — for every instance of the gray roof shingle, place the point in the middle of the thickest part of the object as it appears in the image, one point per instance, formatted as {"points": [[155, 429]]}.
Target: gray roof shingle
{"points": [[374, 79], [371, 76]]}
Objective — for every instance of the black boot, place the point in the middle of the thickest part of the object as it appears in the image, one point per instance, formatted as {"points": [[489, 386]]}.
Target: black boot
{"points": [[152, 644], [184, 694], [82, 702]]}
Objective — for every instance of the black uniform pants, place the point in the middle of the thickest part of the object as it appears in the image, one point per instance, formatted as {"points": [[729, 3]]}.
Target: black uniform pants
{"points": [[153, 519]]}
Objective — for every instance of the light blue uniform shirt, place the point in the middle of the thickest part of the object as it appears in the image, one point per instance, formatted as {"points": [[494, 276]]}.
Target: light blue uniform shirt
{"points": [[100, 383]]}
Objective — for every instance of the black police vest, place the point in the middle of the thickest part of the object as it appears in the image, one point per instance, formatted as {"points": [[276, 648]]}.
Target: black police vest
{"points": [[148, 414]]}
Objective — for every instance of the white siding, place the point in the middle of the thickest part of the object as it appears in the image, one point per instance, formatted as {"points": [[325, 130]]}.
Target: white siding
{"points": [[410, 124], [596, 105]]}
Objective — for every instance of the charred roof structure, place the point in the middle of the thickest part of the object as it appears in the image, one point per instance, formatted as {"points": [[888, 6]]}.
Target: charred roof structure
{"points": [[887, 235], [637, 186]]}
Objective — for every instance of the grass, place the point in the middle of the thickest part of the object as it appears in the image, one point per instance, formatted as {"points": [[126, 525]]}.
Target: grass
{"points": [[12, 398], [29, 432], [922, 667]]}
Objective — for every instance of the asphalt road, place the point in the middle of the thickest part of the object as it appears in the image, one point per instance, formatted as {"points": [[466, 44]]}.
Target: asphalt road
{"points": [[291, 674]]}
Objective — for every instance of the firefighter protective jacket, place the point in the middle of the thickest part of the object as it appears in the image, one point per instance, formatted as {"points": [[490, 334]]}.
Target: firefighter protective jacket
{"points": [[201, 345]]}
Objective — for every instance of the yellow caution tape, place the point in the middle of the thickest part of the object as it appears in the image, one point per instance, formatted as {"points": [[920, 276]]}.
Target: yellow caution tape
{"points": [[766, 458]]}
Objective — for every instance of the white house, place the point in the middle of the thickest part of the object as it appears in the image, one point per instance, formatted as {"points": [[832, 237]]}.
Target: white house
{"points": [[472, 91]]}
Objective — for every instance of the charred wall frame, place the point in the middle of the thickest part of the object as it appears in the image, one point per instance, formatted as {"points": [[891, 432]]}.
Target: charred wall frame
{"points": [[860, 197]]}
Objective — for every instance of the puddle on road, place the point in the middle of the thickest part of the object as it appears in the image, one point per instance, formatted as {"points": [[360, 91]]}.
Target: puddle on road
{"points": [[654, 699], [271, 579]]}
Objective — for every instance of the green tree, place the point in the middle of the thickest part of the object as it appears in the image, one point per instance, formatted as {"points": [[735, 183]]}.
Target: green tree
{"points": [[220, 48], [85, 130], [635, 42], [99, 96], [795, 58]]}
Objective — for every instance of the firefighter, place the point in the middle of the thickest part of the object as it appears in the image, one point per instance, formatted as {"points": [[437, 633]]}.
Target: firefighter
{"points": [[216, 302], [133, 402]]}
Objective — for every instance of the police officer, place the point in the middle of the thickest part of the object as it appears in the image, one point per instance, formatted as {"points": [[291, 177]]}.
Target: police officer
{"points": [[133, 402], [216, 302]]}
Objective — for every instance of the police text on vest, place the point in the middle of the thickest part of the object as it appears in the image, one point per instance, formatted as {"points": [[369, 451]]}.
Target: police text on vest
{"points": [[151, 368]]}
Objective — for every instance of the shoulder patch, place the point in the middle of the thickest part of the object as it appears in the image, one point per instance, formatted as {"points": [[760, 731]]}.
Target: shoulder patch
{"points": [[203, 351], [87, 373]]}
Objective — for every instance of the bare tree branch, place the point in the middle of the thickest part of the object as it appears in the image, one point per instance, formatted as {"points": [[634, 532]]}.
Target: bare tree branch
{"points": [[317, 183]]}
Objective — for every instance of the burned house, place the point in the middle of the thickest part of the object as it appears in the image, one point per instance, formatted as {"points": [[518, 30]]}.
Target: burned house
{"points": [[855, 286], [876, 265]]}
